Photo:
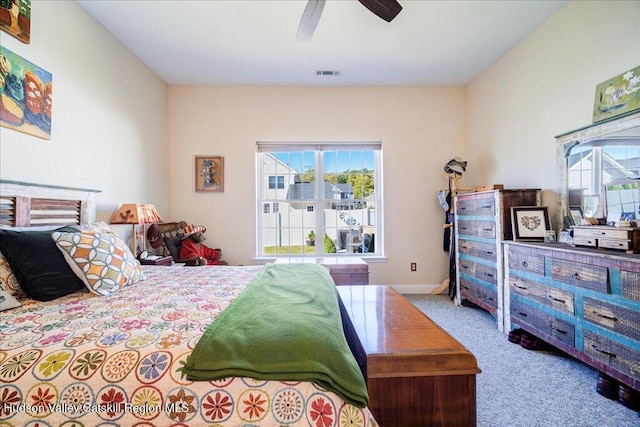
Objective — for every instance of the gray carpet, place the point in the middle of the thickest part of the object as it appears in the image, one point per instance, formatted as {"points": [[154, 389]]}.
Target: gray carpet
{"points": [[519, 387]]}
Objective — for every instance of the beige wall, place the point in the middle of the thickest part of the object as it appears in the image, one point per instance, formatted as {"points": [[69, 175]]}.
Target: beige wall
{"points": [[544, 87], [109, 128], [420, 129]]}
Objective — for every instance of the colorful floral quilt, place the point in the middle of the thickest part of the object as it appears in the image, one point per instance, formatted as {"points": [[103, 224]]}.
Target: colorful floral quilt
{"points": [[86, 360]]}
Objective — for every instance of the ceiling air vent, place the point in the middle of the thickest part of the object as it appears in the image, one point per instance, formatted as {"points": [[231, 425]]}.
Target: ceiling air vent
{"points": [[328, 73]]}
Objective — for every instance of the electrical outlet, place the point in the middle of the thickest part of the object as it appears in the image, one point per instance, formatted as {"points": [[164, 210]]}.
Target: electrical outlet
{"points": [[414, 266]]}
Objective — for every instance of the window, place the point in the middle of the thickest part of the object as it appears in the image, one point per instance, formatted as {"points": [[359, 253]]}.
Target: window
{"points": [[276, 182], [328, 198], [592, 167]]}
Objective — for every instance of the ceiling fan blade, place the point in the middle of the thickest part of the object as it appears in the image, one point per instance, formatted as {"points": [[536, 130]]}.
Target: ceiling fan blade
{"points": [[310, 19], [385, 9]]}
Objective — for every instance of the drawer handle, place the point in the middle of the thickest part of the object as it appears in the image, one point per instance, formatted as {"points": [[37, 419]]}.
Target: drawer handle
{"points": [[522, 314], [463, 228], [490, 299], [560, 331], [576, 276], [487, 229], [464, 266], [488, 274], [464, 246], [524, 288], [604, 316], [486, 206], [551, 297], [462, 208], [603, 351], [488, 252], [525, 264]]}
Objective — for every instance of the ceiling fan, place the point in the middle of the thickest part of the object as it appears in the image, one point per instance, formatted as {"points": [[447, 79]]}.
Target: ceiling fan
{"points": [[385, 9]]}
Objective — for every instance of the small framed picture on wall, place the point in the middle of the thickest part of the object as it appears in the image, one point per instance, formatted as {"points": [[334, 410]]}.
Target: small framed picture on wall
{"points": [[209, 173]]}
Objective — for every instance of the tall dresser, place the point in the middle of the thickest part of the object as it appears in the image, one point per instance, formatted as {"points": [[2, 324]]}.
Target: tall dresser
{"points": [[584, 301], [482, 222]]}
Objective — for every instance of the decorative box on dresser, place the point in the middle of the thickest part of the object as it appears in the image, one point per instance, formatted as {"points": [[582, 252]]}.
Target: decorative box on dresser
{"points": [[584, 301], [482, 222]]}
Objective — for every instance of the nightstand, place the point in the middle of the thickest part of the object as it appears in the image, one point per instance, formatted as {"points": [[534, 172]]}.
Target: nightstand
{"points": [[157, 260]]}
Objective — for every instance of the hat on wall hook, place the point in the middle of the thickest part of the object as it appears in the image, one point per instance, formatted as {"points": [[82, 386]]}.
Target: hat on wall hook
{"points": [[455, 166]]}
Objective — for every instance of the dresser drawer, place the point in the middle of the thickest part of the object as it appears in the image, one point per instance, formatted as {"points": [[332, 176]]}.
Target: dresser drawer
{"points": [[617, 356], [579, 274], [549, 325], [480, 271], [601, 232], [613, 317], [630, 281], [555, 298], [474, 206], [477, 249], [526, 261], [477, 228], [470, 290], [585, 241], [614, 244]]}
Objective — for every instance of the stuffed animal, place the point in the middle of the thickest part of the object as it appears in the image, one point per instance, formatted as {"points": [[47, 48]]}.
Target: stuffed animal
{"points": [[192, 247]]}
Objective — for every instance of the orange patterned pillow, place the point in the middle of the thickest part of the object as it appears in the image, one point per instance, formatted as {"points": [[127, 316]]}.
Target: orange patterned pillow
{"points": [[101, 260]]}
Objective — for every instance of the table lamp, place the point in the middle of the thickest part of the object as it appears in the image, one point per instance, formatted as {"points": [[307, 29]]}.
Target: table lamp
{"points": [[136, 214]]}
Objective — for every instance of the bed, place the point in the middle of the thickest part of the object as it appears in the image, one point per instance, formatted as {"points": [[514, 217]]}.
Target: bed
{"points": [[120, 357], [123, 358]]}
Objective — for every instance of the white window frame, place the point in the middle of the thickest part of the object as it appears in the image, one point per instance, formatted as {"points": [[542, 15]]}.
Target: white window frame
{"points": [[318, 147]]}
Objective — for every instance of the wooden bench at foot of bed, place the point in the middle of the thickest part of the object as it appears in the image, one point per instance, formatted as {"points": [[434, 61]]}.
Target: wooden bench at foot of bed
{"points": [[417, 374]]}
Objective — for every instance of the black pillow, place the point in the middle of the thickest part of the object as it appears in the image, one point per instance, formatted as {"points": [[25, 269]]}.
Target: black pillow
{"points": [[38, 264]]}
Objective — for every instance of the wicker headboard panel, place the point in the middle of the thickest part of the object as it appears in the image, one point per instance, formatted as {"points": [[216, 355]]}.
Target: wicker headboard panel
{"points": [[29, 205]]}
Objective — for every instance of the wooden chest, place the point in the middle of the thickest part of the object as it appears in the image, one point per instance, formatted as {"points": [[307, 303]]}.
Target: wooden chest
{"points": [[417, 374]]}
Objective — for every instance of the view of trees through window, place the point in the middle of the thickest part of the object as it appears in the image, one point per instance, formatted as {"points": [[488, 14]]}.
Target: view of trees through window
{"points": [[327, 205]]}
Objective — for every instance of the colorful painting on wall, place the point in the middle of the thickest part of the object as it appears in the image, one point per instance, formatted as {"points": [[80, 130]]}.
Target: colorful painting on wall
{"points": [[15, 18], [617, 96], [209, 173], [26, 95]]}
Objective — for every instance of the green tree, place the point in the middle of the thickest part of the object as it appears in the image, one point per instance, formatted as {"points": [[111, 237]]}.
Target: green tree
{"points": [[329, 246]]}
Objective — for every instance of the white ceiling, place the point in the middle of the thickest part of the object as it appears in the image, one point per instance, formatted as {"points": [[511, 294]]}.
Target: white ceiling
{"points": [[253, 42]]}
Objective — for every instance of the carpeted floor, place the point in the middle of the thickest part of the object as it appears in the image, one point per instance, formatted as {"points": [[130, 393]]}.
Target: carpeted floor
{"points": [[519, 387]]}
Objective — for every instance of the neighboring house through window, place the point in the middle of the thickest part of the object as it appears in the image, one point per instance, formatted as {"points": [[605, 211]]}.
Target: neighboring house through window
{"points": [[591, 168], [332, 189]]}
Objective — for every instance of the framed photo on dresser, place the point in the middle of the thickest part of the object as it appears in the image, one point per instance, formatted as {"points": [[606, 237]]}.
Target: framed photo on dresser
{"points": [[530, 222]]}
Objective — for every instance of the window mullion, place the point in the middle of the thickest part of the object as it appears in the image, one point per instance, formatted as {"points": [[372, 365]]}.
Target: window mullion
{"points": [[597, 169], [318, 204]]}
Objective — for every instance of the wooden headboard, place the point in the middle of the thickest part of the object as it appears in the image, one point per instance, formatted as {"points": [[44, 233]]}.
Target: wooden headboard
{"points": [[25, 204]]}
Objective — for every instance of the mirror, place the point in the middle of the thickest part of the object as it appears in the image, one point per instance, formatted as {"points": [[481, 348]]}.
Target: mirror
{"points": [[599, 169]]}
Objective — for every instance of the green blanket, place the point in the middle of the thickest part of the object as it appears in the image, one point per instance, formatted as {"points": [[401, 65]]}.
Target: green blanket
{"points": [[285, 325]]}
